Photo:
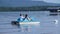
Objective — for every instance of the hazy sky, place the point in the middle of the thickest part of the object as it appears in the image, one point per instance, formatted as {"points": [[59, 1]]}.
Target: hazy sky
{"points": [[50, 1]]}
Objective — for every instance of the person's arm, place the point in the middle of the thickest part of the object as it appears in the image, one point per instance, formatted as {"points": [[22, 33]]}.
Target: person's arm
{"points": [[29, 18]]}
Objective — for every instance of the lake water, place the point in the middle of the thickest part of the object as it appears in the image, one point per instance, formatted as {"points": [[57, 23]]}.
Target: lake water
{"points": [[46, 26]]}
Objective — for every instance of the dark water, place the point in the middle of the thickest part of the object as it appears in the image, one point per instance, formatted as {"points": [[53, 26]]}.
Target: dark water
{"points": [[47, 26]]}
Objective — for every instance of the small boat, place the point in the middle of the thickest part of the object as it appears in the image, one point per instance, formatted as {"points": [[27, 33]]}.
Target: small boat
{"points": [[32, 23], [53, 14]]}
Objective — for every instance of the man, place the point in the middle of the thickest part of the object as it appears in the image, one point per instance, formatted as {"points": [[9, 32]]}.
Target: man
{"points": [[27, 18]]}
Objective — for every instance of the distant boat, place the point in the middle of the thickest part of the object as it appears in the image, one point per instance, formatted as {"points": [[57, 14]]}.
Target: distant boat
{"points": [[53, 14], [58, 10], [55, 11]]}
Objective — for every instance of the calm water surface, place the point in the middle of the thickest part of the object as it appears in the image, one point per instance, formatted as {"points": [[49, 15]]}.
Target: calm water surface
{"points": [[47, 26]]}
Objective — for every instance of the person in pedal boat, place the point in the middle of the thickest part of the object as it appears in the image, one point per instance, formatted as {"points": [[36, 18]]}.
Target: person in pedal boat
{"points": [[24, 18], [27, 18]]}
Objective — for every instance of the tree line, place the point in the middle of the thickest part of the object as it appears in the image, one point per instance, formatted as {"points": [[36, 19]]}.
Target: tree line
{"points": [[33, 8]]}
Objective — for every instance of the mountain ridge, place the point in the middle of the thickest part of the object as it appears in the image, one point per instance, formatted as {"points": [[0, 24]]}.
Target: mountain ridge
{"points": [[26, 3]]}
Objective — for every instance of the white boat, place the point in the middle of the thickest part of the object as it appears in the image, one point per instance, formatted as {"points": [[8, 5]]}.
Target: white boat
{"points": [[16, 23], [29, 23]]}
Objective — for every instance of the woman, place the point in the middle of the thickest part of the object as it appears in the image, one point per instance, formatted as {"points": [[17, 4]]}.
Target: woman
{"points": [[21, 18]]}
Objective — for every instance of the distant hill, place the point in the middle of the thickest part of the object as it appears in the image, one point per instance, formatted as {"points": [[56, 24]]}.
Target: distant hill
{"points": [[25, 3]]}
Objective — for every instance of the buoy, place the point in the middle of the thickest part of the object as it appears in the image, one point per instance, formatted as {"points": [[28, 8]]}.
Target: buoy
{"points": [[56, 21]]}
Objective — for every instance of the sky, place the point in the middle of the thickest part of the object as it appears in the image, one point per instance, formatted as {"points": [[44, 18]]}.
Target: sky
{"points": [[49, 1]]}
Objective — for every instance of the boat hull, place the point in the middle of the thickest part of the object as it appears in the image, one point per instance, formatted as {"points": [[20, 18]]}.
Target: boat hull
{"points": [[29, 22], [16, 23]]}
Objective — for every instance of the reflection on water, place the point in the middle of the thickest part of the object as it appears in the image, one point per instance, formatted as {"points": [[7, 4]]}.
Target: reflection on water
{"points": [[25, 27]]}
